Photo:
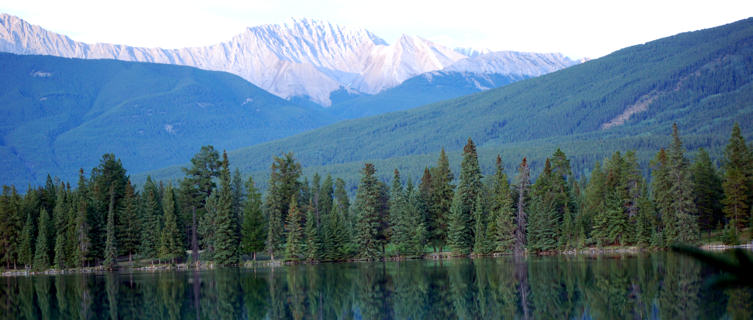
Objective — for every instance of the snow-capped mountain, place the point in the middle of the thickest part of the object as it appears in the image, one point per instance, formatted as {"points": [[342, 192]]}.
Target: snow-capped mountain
{"points": [[300, 58]]}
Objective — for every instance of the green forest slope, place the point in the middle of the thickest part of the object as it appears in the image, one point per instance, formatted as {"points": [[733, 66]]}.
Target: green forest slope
{"points": [[58, 114], [701, 80]]}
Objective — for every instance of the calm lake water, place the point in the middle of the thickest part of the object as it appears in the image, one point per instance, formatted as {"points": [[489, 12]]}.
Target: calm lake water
{"points": [[655, 286]]}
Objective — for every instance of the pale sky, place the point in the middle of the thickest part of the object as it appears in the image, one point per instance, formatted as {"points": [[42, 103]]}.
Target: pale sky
{"points": [[575, 28]]}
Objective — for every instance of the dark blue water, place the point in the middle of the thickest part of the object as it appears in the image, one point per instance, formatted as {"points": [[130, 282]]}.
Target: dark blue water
{"points": [[650, 286]]}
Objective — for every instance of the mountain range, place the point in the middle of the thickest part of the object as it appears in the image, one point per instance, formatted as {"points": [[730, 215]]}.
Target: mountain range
{"points": [[305, 59], [627, 100]]}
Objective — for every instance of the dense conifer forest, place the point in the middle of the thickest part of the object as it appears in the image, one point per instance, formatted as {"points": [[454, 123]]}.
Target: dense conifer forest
{"points": [[212, 214]]}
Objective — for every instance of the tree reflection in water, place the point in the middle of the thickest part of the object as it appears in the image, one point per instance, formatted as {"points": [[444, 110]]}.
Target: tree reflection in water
{"points": [[660, 285]]}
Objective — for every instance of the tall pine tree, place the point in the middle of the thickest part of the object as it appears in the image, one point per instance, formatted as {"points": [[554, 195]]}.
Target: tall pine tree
{"points": [[461, 224], [523, 185], [226, 237], [41, 256], [442, 191], [371, 210], [252, 229], [738, 174]]}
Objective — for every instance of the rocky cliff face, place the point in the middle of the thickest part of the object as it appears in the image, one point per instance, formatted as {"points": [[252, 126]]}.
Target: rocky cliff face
{"points": [[300, 58]]}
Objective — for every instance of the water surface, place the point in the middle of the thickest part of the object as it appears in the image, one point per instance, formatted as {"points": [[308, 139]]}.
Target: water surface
{"points": [[653, 286]]}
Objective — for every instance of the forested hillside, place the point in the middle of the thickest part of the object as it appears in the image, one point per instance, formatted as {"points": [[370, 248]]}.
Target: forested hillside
{"points": [[58, 115], [627, 100]]}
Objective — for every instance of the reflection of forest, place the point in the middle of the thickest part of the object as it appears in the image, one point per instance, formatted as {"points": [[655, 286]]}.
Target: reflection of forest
{"points": [[661, 285]]}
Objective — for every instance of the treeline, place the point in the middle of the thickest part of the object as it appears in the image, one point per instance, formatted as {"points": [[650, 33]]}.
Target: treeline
{"points": [[216, 216]]}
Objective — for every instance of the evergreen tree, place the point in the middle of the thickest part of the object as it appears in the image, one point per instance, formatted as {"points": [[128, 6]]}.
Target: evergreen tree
{"points": [[171, 244], [480, 245], [252, 230], [681, 190], [129, 225], [60, 254], [82, 241], [41, 257], [371, 210], [461, 225], [441, 201], [523, 184], [400, 230], [60, 218], [111, 252], [645, 225], [416, 217], [543, 225], [707, 191], [226, 237], [283, 184], [108, 174], [660, 185], [738, 174], [26, 248], [11, 226], [294, 243], [312, 237], [326, 192], [151, 221]]}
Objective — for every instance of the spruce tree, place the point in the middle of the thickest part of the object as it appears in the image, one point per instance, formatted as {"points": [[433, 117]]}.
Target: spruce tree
{"points": [[26, 247], [171, 244], [737, 179], [416, 220], [283, 184], [111, 251], [441, 201], [681, 190], [60, 218], [294, 243], [313, 243], [82, 241], [400, 233], [326, 192], [371, 210], [226, 237], [60, 254], [461, 225], [41, 257], [252, 230], [151, 220], [707, 191], [129, 223], [523, 184], [660, 185], [543, 225], [480, 245]]}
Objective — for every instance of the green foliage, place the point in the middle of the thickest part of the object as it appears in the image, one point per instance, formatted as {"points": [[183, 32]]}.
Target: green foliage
{"points": [[226, 227], [41, 256], [151, 221], [252, 229], [294, 228], [738, 178], [461, 223], [283, 185], [521, 217], [438, 183], [313, 240], [26, 247], [171, 242], [681, 192], [111, 250], [707, 191], [371, 211], [129, 224]]}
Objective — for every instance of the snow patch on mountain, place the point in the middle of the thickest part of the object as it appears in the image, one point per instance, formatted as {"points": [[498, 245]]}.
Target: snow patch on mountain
{"points": [[299, 58]]}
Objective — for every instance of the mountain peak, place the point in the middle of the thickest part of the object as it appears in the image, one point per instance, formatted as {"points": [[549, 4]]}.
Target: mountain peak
{"points": [[301, 57]]}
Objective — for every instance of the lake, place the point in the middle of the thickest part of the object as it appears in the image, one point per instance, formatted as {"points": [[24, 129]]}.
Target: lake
{"points": [[655, 286]]}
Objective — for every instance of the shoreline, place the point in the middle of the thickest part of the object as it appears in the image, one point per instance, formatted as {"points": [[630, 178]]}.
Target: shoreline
{"points": [[445, 255]]}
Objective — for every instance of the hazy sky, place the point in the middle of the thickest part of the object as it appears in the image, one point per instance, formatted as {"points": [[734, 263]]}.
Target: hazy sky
{"points": [[575, 28]]}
